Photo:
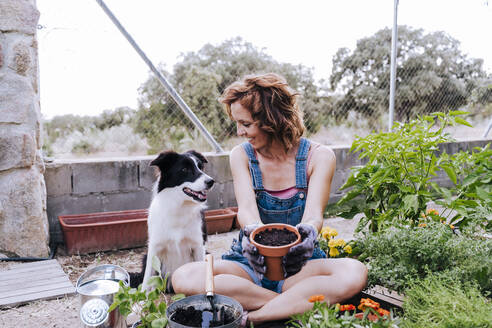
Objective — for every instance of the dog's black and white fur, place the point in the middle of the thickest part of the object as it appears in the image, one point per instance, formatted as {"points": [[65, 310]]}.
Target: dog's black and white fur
{"points": [[175, 223]]}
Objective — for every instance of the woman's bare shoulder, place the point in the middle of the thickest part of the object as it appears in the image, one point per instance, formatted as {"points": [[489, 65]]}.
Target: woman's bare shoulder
{"points": [[238, 155], [322, 153]]}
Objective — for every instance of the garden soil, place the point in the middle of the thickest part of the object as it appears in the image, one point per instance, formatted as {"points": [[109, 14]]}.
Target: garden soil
{"points": [[63, 312]]}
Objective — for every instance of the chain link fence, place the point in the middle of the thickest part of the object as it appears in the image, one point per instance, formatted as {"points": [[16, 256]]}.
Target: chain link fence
{"points": [[354, 102], [433, 74]]}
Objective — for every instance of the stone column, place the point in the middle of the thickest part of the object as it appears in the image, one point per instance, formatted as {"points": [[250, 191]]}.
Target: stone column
{"points": [[23, 220]]}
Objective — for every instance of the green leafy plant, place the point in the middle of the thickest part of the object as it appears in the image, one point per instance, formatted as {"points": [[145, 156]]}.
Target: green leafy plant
{"points": [[150, 306], [439, 301], [397, 256], [394, 184], [469, 202], [323, 315]]}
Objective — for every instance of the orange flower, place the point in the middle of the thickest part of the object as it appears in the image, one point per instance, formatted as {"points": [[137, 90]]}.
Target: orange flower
{"points": [[316, 298], [432, 211], [367, 303], [347, 307], [422, 225], [383, 312]]}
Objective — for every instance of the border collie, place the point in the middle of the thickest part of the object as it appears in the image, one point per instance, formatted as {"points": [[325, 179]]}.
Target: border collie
{"points": [[176, 226]]}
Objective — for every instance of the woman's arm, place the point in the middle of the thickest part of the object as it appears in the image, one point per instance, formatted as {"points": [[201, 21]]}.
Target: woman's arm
{"points": [[323, 169], [243, 188]]}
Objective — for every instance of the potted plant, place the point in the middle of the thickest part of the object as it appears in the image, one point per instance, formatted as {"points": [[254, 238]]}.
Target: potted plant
{"points": [[150, 306], [273, 241]]}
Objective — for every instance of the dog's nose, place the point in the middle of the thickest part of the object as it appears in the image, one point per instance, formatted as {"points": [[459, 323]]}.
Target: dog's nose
{"points": [[209, 183]]}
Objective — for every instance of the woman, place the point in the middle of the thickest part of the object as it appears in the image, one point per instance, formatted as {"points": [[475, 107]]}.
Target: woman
{"points": [[278, 177]]}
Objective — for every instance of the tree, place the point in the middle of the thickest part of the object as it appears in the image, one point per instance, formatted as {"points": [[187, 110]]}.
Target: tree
{"points": [[200, 78], [432, 74], [109, 118]]}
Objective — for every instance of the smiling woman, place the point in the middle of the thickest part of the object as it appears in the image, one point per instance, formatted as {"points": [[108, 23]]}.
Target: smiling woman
{"points": [[272, 172]]}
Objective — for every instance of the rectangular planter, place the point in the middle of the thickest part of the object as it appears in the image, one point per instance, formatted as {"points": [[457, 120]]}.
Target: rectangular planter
{"points": [[235, 225], [104, 231], [94, 232], [219, 221]]}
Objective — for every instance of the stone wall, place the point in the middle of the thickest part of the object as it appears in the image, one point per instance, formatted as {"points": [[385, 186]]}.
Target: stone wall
{"points": [[23, 218], [77, 187]]}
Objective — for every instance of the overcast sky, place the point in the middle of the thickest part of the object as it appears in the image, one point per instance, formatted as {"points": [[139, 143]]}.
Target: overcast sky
{"points": [[87, 66]]}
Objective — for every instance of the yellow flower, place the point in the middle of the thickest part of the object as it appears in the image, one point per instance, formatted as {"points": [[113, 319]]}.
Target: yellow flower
{"points": [[451, 226], [332, 243], [327, 232], [348, 249], [334, 252], [340, 242]]}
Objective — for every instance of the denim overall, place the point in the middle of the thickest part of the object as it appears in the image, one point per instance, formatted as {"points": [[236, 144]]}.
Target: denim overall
{"points": [[274, 210]]}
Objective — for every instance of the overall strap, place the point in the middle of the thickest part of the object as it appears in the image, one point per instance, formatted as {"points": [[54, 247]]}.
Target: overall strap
{"points": [[254, 167], [301, 162]]}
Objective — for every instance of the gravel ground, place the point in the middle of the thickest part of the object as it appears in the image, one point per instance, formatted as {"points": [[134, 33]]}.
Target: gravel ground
{"points": [[63, 312]]}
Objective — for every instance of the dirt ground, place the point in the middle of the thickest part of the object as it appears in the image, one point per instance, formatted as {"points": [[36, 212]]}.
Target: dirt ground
{"points": [[63, 312]]}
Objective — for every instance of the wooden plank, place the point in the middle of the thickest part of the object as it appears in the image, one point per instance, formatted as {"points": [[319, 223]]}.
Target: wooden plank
{"points": [[387, 292], [385, 298], [33, 281], [8, 277], [29, 267], [46, 295], [35, 289], [33, 264]]}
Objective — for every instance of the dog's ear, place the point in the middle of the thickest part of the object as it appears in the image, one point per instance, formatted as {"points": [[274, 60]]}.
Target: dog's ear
{"points": [[197, 155], [165, 160]]}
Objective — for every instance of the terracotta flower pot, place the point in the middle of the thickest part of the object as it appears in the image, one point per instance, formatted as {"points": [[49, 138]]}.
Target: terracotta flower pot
{"points": [[273, 254], [219, 221]]}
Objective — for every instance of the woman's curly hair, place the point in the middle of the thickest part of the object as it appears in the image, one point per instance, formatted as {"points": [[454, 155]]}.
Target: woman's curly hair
{"points": [[272, 104]]}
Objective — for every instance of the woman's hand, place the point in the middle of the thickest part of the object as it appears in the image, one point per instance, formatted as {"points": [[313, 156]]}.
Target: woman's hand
{"points": [[300, 253], [255, 259]]}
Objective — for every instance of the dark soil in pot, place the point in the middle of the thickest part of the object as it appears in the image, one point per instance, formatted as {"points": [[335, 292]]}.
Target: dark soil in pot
{"points": [[275, 237], [192, 317]]}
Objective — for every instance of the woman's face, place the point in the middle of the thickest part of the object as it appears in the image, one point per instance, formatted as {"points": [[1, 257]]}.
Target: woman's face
{"points": [[246, 127]]}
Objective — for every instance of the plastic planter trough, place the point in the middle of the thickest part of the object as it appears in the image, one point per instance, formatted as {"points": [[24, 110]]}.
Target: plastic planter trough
{"points": [[219, 221], [103, 231]]}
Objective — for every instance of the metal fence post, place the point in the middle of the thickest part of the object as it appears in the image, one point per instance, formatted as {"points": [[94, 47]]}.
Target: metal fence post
{"points": [[488, 129], [394, 40], [172, 92]]}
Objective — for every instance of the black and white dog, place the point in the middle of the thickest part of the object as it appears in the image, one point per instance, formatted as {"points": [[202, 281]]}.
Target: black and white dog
{"points": [[176, 226]]}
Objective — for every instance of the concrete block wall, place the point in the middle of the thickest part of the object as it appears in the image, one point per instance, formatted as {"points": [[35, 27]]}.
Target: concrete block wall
{"points": [[77, 187]]}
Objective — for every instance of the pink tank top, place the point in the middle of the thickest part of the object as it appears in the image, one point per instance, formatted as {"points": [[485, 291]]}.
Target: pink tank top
{"points": [[289, 192]]}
